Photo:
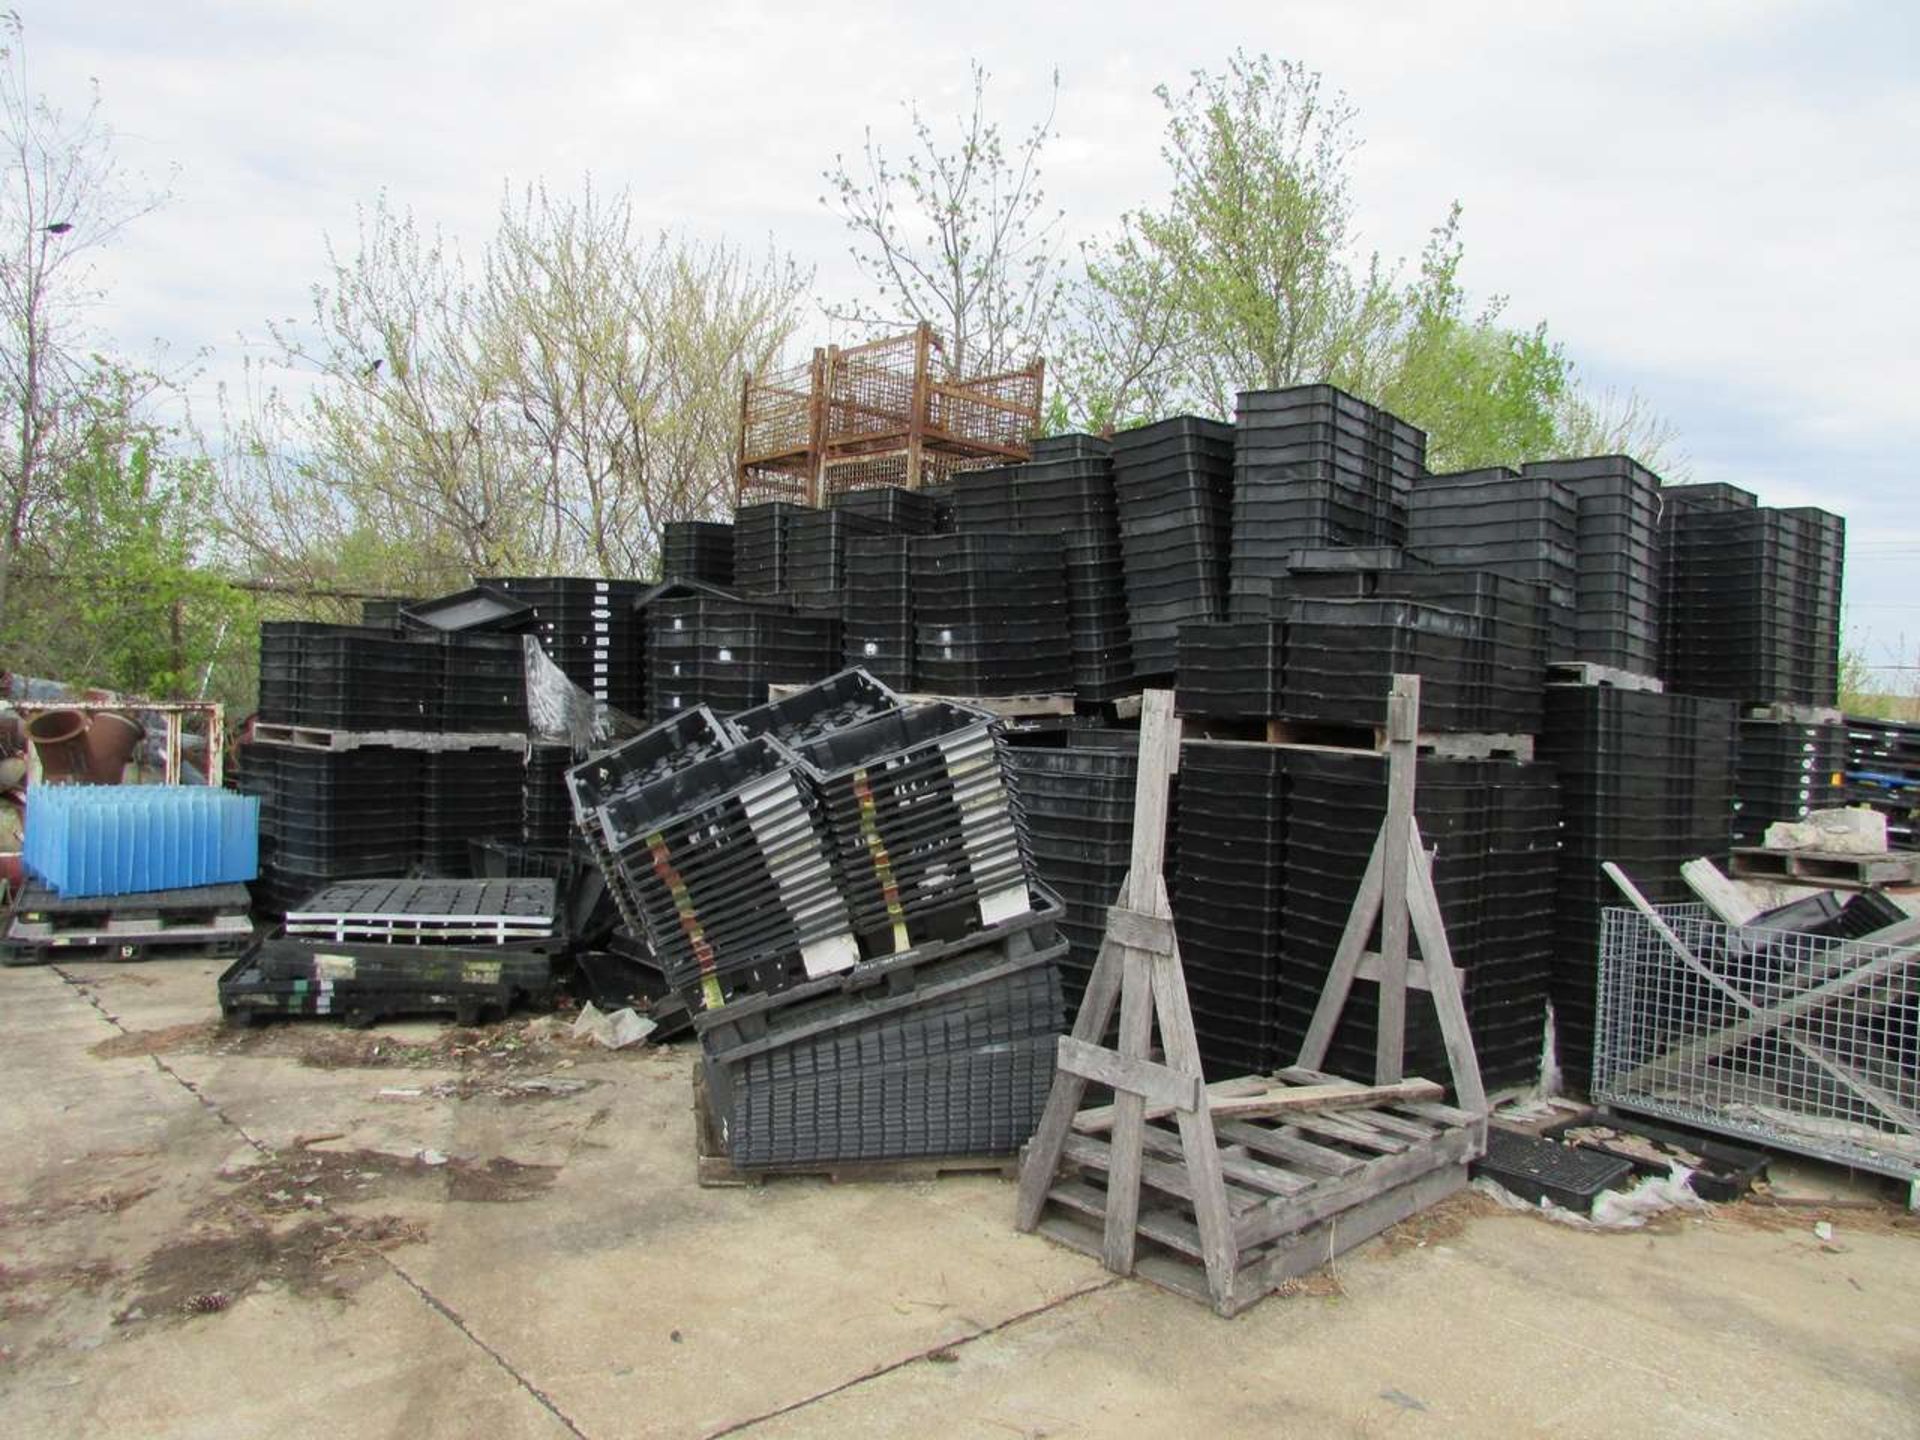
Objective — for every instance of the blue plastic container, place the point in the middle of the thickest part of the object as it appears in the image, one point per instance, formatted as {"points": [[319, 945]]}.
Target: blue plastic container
{"points": [[122, 839]]}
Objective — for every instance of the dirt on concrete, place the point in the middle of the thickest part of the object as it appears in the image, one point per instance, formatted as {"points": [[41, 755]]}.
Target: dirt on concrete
{"points": [[507, 1047], [204, 1272], [309, 1178]]}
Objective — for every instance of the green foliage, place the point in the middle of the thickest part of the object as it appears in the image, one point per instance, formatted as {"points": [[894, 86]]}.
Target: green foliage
{"points": [[113, 589], [1248, 277]]}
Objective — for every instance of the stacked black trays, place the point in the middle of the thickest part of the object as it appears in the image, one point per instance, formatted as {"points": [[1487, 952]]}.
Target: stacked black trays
{"points": [[1646, 781], [331, 815], [546, 814], [1617, 591], [990, 614], [1499, 522], [817, 549], [709, 648], [1752, 604], [1314, 468], [897, 511], [1491, 824], [588, 629], [1068, 490], [347, 677], [876, 617], [1342, 655], [944, 1051], [1232, 833], [483, 684], [926, 839], [840, 702], [1232, 669], [1517, 616], [697, 550], [1786, 769], [467, 795], [723, 863], [1078, 804], [1173, 482], [760, 546]]}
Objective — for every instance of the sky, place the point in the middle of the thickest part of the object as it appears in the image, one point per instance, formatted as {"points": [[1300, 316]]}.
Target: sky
{"points": [[1714, 205]]}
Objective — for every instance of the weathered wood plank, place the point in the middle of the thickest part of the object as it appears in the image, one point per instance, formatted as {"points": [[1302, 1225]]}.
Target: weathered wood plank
{"points": [[1165, 1090], [1296, 1150], [1150, 933], [1307, 1250], [1287, 1214], [1396, 838], [1123, 1179], [1351, 1131]]}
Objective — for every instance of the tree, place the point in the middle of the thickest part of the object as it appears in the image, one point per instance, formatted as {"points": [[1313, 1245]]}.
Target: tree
{"points": [[1249, 277], [957, 235], [549, 411], [64, 198]]}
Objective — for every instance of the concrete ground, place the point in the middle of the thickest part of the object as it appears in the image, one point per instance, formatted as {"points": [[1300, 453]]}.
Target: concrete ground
{"points": [[417, 1232]]}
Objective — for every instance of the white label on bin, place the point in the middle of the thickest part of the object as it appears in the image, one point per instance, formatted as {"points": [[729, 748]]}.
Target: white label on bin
{"points": [[1004, 904], [679, 623], [829, 957], [870, 648], [676, 699], [725, 653]]}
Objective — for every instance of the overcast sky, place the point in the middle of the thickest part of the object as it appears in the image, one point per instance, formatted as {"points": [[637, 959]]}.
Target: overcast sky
{"points": [[1713, 204]]}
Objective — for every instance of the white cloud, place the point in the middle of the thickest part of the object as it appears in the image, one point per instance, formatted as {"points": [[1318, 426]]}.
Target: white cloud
{"points": [[1711, 203]]}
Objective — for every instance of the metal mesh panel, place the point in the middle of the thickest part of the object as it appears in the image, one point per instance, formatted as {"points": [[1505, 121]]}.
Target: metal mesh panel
{"points": [[777, 416], [1801, 1042], [760, 483], [962, 411], [870, 389]]}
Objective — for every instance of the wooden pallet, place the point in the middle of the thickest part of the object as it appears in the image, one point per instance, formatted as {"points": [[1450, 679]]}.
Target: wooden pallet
{"points": [[1372, 739], [1588, 673], [1826, 869], [317, 737], [1299, 1189], [1259, 1179], [174, 945], [1007, 707], [714, 1170]]}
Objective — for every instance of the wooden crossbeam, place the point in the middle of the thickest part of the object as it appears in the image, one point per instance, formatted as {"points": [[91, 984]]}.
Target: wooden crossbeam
{"points": [[1277, 1100], [1397, 892]]}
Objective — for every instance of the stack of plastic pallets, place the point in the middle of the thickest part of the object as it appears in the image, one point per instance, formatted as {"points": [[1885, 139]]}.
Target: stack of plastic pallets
{"points": [[1173, 481], [1617, 589], [990, 614], [1314, 468], [370, 950]]}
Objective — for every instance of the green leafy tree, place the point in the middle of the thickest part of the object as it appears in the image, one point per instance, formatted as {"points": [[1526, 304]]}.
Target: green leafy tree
{"points": [[1250, 276]]}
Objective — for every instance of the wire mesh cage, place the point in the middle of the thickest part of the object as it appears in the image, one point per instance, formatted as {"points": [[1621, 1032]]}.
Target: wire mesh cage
{"points": [[1806, 1043], [994, 411], [777, 414], [871, 388], [889, 412], [843, 474]]}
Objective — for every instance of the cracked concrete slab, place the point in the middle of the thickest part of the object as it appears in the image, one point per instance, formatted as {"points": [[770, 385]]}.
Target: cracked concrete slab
{"points": [[386, 1281]]}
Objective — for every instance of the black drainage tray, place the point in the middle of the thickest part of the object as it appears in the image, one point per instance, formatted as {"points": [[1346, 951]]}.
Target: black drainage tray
{"points": [[1539, 1170]]}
